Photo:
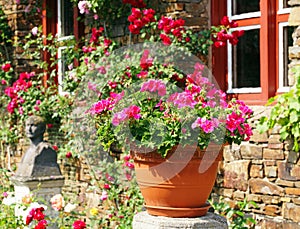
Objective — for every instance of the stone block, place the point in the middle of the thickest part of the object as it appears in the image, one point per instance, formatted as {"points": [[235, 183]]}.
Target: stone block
{"points": [[290, 225], [236, 175], [174, 7], [294, 2], [270, 171], [285, 183], [254, 197], [256, 171], [274, 138], [238, 195], [284, 171], [263, 186], [295, 172], [231, 153], [294, 18], [251, 151], [292, 191], [274, 154], [270, 199], [291, 211], [292, 157], [275, 145], [146, 221], [259, 137], [272, 210], [296, 200]]}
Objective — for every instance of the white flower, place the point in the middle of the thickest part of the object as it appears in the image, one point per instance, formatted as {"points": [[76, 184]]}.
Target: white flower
{"points": [[9, 200], [34, 31], [84, 7], [70, 207]]}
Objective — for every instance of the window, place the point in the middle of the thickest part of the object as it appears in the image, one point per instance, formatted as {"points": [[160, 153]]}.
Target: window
{"points": [[257, 68], [65, 31], [60, 17]]}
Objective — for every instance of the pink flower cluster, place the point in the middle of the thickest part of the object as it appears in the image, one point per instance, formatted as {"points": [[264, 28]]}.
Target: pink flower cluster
{"points": [[183, 99], [208, 126], [38, 215], [131, 112], [135, 3], [140, 18], [235, 121], [106, 104], [153, 85], [223, 36], [22, 84]]}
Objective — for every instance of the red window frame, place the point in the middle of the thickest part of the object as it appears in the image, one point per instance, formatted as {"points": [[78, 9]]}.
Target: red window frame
{"points": [[50, 25], [269, 51]]}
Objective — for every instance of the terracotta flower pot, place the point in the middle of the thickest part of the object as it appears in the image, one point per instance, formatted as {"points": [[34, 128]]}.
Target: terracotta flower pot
{"points": [[179, 185]]}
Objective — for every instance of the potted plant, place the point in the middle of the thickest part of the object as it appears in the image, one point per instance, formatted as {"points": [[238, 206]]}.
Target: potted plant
{"points": [[157, 100]]}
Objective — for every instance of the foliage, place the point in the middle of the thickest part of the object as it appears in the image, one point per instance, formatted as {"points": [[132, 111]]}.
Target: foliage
{"points": [[285, 112], [114, 182], [236, 216], [151, 107]]}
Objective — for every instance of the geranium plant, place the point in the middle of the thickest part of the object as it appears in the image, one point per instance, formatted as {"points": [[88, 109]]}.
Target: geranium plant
{"points": [[153, 96]]}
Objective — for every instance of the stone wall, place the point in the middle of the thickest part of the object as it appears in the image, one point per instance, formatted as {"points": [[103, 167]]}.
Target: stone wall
{"points": [[265, 169]]}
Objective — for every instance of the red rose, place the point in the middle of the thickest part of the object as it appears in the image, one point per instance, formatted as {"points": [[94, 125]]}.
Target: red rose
{"points": [[55, 147], [6, 67]]}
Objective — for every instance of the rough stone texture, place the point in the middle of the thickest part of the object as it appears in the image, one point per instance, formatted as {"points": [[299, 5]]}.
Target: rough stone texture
{"points": [[294, 18], [146, 221], [284, 171], [273, 154], [291, 211], [251, 151], [265, 187], [236, 175], [256, 171]]}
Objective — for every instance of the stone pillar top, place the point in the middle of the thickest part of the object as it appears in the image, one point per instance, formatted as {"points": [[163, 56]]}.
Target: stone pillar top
{"points": [[210, 220]]}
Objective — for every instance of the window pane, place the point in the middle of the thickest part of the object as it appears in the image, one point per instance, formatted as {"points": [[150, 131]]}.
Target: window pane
{"points": [[285, 3], [287, 41], [244, 6], [67, 18], [246, 60]]}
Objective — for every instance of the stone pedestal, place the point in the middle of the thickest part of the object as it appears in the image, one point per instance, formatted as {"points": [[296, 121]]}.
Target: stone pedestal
{"points": [[43, 189], [210, 220]]}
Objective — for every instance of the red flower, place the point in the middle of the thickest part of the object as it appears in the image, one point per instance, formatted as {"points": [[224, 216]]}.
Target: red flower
{"points": [[69, 155], [225, 21], [49, 125], [55, 147], [41, 225], [78, 224], [6, 67], [165, 39], [134, 29]]}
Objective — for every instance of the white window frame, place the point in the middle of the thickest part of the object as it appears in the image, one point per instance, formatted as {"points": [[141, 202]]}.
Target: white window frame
{"points": [[230, 70], [60, 72], [240, 16], [281, 87], [283, 10]]}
